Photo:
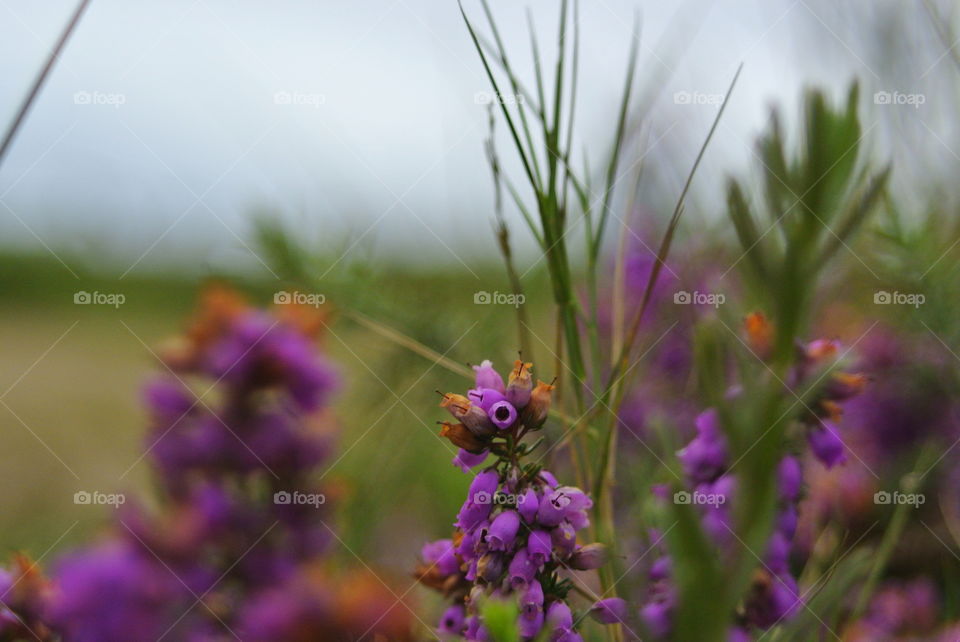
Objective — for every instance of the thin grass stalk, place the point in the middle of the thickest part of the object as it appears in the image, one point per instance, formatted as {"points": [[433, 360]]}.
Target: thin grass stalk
{"points": [[41, 78]]}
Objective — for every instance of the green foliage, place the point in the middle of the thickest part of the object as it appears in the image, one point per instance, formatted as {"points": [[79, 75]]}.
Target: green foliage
{"points": [[814, 200], [500, 618]]}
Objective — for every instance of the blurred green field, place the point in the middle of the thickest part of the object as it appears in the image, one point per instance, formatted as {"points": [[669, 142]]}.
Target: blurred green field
{"points": [[70, 381]]}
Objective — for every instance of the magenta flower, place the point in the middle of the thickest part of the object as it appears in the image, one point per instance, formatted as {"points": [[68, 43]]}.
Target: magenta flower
{"points": [[503, 530], [826, 444], [610, 610]]}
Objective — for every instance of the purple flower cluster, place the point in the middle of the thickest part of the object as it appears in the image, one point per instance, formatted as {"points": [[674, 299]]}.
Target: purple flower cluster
{"points": [[234, 548], [706, 461], [24, 595], [517, 530]]}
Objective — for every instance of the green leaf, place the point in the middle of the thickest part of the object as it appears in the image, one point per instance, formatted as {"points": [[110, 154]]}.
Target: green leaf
{"points": [[500, 618]]}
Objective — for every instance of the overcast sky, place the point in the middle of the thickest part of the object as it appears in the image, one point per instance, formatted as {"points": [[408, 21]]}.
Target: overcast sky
{"points": [[166, 124]]}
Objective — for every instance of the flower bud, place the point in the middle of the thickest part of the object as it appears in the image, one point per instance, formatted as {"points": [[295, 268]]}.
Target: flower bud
{"points": [[589, 557], [461, 437], [469, 414], [535, 413], [490, 567], [609, 611], [487, 377], [519, 384]]}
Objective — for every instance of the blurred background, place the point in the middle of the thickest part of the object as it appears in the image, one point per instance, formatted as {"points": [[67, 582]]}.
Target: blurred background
{"points": [[174, 139]]}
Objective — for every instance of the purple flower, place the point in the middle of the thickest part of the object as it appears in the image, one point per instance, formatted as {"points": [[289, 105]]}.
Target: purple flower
{"points": [[472, 514], [564, 537], [503, 415], [485, 398], [531, 602], [521, 570], [490, 567], [528, 505], [453, 621], [772, 598], [539, 547], [657, 617], [609, 610], [476, 631], [487, 377], [138, 593], [705, 456], [484, 484], [562, 503], [442, 554], [789, 478], [503, 530], [559, 616], [520, 384], [465, 460], [826, 444], [549, 479], [530, 624]]}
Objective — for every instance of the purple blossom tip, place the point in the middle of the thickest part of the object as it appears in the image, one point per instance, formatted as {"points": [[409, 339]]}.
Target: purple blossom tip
{"points": [[609, 611]]}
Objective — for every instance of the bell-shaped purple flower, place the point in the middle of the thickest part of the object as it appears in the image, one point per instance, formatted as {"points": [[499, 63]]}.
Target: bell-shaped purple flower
{"points": [[442, 555], [472, 514], [467, 460], [706, 455], [826, 444], [787, 521], [487, 377], [531, 601], [527, 505], [521, 571], [503, 530], [548, 478], [539, 547], [789, 478], [559, 616], [564, 538], [483, 486], [485, 397], [490, 567], [656, 616], [453, 621], [609, 610], [476, 631], [531, 624], [502, 414]]}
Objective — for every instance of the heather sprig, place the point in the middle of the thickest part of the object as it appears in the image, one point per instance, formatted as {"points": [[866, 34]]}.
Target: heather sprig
{"points": [[813, 201], [237, 547], [541, 127], [515, 535], [713, 487]]}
